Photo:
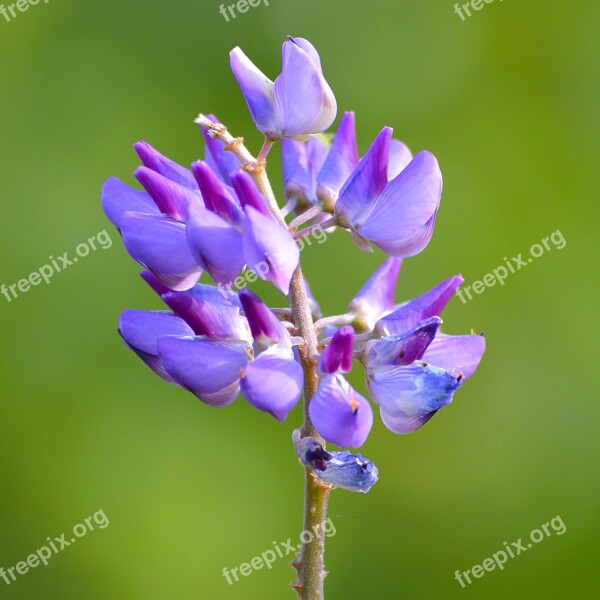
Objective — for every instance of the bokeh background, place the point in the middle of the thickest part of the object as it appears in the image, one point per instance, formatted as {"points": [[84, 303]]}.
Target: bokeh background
{"points": [[507, 100]]}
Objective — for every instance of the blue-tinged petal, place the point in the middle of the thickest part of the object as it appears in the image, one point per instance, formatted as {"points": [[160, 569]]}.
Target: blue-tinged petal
{"points": [[208, 368], [339, 413], [159, 243], [173, 199], [411, 313], [210, 312], [367, 181], [377, 296], [215, 244], [339, 354], [119, 198], [458, 354], [350, 472], [270, 249], [302, 162], [404, 209], [216, 195], [409, 396], [340, 163], [141, 329], [154, 160], [273, 384], [412, 244], [400, 157], [304, 102], [404, 348], [222, 162], [257, 89]]}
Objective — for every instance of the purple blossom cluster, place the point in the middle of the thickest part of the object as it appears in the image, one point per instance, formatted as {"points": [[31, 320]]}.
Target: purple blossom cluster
{"points": [[214, 218]]}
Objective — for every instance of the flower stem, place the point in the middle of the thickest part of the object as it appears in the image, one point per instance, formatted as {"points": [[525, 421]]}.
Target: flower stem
{"points": [[310, 565]]}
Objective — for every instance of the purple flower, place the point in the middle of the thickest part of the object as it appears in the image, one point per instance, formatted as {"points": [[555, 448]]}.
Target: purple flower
{"points": [[299, 102], [340, 414], [398, 214]]}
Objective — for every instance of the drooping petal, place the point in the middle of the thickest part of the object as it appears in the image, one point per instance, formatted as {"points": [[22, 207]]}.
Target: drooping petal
{"points": [[400, 157], [119, 198], [411, 313], [264, 325], [141, 329], [376, 298], [350, 472], [340, 163], [218, 159], [159, 243], [338, 356], [404, 348], [270, 249], [173, 199], [217, 197], [366, 182], [257, 89], [210, 311], [208, 368], [273, 384], [154, 160], [304, 102], [457, 354], [340, 414], [302, 162], [410, 395], [404, 209]]}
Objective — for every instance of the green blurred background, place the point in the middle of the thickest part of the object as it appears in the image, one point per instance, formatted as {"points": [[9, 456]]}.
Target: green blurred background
{"points": [[507, 100]]}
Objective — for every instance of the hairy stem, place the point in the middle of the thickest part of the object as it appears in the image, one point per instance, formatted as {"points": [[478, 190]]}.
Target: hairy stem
{"points": [[310, 565]]}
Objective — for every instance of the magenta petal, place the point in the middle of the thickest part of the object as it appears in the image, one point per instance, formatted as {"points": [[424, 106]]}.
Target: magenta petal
{"points": [[457, 354], [160, 244], [339, 354], [367, 181], [154, 282], [248, 193], [215, 244], [154, 160], [141, 329], [273, 384], [411, 313], [208, 368], [265, 326], [119, 198], [339, 413], [173, 199], [257, 89], [270, 249]]}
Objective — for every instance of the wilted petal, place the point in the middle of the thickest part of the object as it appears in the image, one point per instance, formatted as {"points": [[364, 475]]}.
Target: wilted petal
{"points": [[273, 384], [208, 368], [210, 311], [257, 89], [173, 199], [410, 395], [400, 157], [350, 472], [154, 160], [411, 313], [339, 354], [341, 161], [366, 182], [270, 249], [403, 212], [339, 413], [402, 349], [457, 354], [215, 244], [377, 296], [141, 329], [119, 198], [160, 244], [304, 102]]}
